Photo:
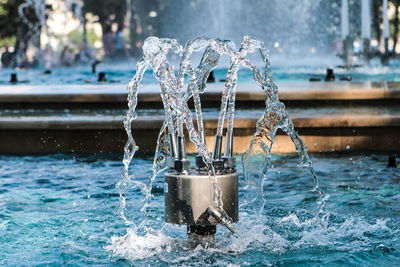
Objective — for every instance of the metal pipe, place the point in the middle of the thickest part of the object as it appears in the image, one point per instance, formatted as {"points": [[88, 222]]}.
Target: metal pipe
{"points": [[181, 148], [217, 147], [228, 144], [172, 144], [220, 218], [181, 163], [202, 135]]}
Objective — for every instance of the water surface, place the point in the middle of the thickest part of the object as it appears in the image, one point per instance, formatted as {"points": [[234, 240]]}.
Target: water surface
{"points": [[63, 209]]}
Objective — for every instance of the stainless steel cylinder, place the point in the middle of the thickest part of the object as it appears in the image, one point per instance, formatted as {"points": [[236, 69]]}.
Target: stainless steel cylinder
{"points": [[187, 197]]}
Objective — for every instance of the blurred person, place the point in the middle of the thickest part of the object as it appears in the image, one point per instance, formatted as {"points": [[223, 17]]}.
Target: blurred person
{"points": [[86, 54], [48, 56], [120, 50], [35, 60], [109, 41], [67, 58], [19, 55], [6, 57]]}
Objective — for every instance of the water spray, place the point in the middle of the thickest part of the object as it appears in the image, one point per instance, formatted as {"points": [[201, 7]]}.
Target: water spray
{"points": [[204, 195]]}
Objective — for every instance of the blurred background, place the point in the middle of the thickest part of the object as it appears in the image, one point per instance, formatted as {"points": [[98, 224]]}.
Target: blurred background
{"points": [[55, 32]]}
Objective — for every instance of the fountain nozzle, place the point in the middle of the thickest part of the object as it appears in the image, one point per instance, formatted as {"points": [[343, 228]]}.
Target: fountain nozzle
{"points": [[102, 77], [330, 75], [217, 153], [181, 163], [94, 64], [13, 78]]}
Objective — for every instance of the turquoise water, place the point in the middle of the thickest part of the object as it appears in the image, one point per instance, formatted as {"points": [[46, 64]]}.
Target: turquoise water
{"points": [[63, 209], [207, 112], [123, 72]]}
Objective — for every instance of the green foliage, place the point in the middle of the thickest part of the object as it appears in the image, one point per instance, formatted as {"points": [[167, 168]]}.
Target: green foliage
{"points": [[8, 40], [92, 37], [75, 38], [3, 10], [12, 26]]}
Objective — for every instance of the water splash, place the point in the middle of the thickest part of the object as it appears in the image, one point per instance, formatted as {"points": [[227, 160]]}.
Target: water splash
{"points": [[178, 115], [43, 12], [257, 157], [40, 11], [288, 235]]}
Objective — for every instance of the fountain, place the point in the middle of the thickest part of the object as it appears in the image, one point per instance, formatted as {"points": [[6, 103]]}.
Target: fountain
{"points": [[13, 78], [41, 12], [385, 26], [347, 46], [206, 195], [65, 205], [366, 27], [44, 11]]}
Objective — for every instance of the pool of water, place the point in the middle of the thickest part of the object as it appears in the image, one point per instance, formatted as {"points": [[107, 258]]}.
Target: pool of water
{"points": [[121, 72], [207, 112], [63, 209]]}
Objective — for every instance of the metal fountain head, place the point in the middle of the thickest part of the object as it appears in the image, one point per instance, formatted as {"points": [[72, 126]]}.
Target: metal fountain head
{"points": [[205, 195]]}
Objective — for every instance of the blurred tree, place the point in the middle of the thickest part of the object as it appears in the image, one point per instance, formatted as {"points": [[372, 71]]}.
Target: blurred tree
{"points": [[395, 24], [12, 25], [145, 19], [377, 19], [107, 11]]}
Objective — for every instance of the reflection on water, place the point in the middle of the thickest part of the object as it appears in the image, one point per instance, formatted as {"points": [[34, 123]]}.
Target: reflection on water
{"points": [[61, 209]]}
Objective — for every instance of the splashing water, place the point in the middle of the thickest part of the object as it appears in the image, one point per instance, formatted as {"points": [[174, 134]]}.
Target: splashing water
{"points": [[39, 8], [44, 12], [174, 97]]}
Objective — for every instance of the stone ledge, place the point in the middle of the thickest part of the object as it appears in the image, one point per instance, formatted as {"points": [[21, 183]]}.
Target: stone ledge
{"points": [[155, 122], [28, 135], [245, 92]]}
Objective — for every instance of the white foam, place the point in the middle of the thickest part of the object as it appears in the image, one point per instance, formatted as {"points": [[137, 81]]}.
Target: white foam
{"points": [[133, 246]]}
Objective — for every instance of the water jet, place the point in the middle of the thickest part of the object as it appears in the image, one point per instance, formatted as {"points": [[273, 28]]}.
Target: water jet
{"points": [[205, 195]]}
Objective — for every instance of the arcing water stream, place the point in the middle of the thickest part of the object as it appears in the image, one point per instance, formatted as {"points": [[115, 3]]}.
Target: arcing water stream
{"points": [[256, 160], [177, 112]]}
